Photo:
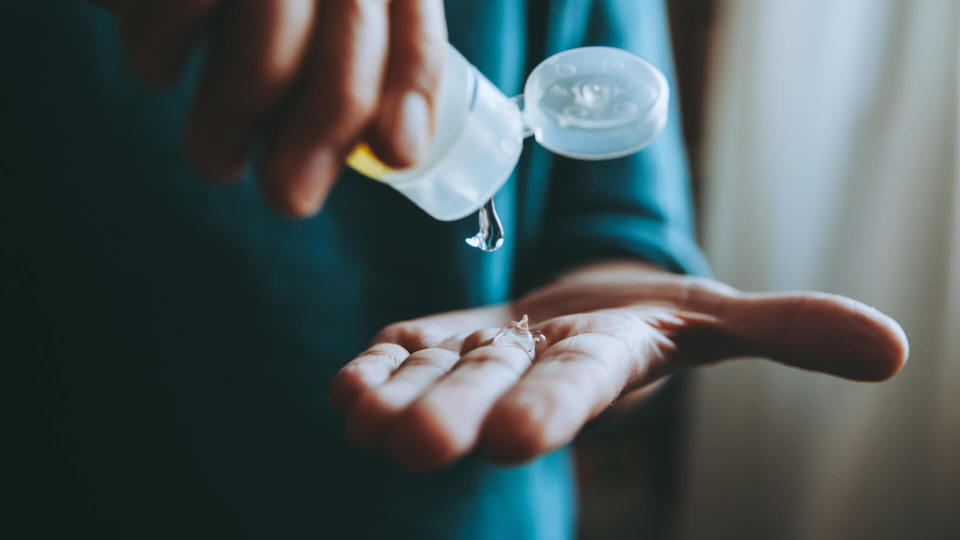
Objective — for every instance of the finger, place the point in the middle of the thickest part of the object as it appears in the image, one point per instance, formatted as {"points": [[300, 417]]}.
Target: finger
{"points": [[368, 370], [403, 129], [477, 339], [378, 405], [338, 100], [815, 331], [158, 34], [573, 381], [712, 321], [445, 422], [438, 330], [252, 61], [413, 335]]}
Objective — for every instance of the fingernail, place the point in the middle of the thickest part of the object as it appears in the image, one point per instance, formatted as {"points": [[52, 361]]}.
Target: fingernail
{"points": [[411, 127]]}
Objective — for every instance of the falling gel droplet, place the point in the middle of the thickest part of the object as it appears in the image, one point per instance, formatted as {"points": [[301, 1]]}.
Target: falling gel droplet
{"points": [[519, 333], [490, 236]]}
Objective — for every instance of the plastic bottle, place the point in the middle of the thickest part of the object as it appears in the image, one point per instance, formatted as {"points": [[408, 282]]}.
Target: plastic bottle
{"points": [[589, 103]]}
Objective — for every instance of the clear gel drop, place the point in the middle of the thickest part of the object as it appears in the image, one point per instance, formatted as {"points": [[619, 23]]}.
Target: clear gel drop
{"points": [[490, 236], [519, 333]]}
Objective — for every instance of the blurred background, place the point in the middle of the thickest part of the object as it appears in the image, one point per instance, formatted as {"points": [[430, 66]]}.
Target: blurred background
{"points": [[823, 136]]}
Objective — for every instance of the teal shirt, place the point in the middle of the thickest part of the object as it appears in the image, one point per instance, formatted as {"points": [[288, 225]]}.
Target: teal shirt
{"points": [[172, 341]]}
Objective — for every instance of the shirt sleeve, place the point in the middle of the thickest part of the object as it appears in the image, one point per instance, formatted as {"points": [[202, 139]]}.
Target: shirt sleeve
{"points": [[634, 207]]}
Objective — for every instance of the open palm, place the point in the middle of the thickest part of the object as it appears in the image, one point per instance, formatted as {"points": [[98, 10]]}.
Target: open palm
{"points": [[430, 390]]}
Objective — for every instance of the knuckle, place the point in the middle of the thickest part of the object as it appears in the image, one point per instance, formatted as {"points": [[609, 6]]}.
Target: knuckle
{"points": [[390, 350], [406, 335], [422, 66], [478, 339], [433, 358], [359, 7], [353, 98], [353, 9], [388, 334], [563, 327], [511, 358], [417, 337], [347, 108], [340, 111]]}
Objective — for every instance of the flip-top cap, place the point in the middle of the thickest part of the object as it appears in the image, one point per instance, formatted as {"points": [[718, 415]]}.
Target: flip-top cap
{"points": [[595, 103]]}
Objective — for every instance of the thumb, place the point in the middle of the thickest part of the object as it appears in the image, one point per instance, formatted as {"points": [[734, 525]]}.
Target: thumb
{"points": [[815, 331]]}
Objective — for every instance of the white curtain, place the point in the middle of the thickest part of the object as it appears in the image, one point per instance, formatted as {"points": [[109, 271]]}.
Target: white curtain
{"points": [[833, 163]]}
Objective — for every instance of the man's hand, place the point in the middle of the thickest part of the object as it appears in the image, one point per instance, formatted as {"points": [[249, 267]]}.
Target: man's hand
{"points": [[308, 78], [433, 389]]}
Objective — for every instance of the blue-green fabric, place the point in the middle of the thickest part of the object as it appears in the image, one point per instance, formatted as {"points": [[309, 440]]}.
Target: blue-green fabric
{"points": [[171, 342]]}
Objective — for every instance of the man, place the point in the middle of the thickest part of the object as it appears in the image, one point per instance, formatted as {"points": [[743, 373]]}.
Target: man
{"points": [[181, 337]]}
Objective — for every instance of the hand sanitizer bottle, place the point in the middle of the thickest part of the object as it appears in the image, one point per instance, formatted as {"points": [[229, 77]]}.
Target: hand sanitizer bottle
{"points": [[590, 103]]}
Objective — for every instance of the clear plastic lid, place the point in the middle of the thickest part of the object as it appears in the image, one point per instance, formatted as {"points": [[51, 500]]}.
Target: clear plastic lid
{"points": [[595, 103]]}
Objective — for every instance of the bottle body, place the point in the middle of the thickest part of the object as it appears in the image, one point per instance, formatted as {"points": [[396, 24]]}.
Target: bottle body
{"points": [[589, 103], [478, 137]]}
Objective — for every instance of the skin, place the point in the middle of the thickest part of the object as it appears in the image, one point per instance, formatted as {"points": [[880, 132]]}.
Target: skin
{"points": [[306, 79], [430, 390]]}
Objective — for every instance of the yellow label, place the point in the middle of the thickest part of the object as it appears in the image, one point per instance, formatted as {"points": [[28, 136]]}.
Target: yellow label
{"points": [[362, 160]]}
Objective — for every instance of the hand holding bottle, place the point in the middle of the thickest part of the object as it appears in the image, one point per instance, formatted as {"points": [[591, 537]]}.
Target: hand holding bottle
{"points": [[308, 79]]}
